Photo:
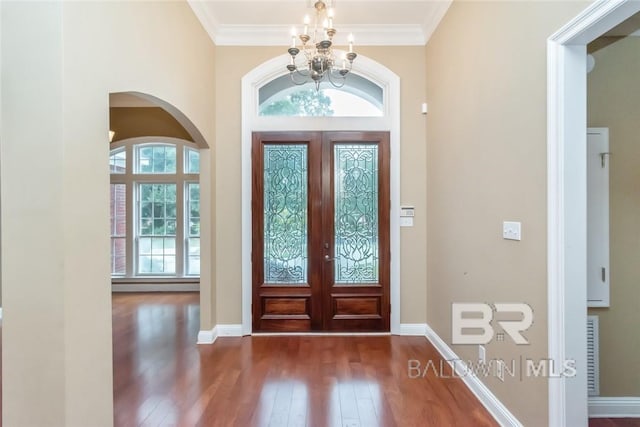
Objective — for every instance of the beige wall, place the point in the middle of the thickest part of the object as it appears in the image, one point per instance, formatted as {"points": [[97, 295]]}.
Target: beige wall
{"points": [[614, 102], [486, 163], [408, 63], [60, 61]]}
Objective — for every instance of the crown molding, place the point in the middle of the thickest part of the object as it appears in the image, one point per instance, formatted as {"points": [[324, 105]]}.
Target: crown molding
{"points": [[278, 35], [208, 21], [432, 21]]}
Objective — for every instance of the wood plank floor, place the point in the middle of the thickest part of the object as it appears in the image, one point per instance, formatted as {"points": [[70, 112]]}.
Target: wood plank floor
{"points": [[162, 378], [614, 422]]}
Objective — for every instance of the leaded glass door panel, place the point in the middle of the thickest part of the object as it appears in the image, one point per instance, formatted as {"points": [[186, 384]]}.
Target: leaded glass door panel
{"points": [[356, 231], [320, 215]]}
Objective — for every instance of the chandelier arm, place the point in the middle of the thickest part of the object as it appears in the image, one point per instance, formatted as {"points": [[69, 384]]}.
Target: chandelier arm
{"points": [[341, 80], [298, 83]]}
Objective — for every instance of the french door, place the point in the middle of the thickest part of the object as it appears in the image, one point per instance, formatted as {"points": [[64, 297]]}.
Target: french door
{"points": [[320, 214]]}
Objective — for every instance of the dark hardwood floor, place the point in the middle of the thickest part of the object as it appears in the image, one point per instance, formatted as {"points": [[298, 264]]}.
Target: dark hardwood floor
{"points": [[614, 422], [162, 378]]}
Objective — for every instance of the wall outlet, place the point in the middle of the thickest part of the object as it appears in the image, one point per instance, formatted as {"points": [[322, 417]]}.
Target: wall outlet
{"points": [[482, 354]]}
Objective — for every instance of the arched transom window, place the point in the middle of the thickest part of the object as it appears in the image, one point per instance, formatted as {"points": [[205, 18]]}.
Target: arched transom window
{"points": [[359, 97]]}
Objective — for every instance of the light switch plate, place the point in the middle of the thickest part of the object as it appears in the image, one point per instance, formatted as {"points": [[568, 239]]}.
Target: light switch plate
{"points": [[406, 221], [512, 230]]}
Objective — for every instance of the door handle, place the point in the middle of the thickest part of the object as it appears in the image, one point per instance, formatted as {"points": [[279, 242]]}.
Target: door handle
{"points": [[327, 258]]}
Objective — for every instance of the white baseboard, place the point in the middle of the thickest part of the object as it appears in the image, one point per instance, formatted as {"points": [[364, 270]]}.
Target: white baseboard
{"points": [[168, 287], [209, 337], [496, 408], [229, 330], [614, 407], [320, 334], [413, 329]]}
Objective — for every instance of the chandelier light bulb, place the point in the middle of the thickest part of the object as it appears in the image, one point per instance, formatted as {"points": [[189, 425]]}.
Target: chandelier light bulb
{"points": [[307, 20]]}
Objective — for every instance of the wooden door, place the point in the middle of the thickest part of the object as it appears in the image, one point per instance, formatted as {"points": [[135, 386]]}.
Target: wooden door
{"points": [[320, 209]]}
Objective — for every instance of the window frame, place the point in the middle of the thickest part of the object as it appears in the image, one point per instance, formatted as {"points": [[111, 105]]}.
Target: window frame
{"points": [[138, 235], [113, 226], [187, 233], [132, 181]]}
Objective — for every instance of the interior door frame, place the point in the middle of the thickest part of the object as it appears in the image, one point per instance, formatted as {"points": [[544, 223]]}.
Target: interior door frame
{"points": [[389, 122], [567, 201]]}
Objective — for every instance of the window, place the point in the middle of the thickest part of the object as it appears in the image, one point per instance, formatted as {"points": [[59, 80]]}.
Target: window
{"points": [[193, 228], [157, 229], [192, 161], [118, 161], [155, 210], [118, 229], [359, 97], [156, 158]]}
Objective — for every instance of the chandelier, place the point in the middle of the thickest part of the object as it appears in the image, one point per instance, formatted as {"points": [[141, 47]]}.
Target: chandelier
{"points": [[319, 63]]}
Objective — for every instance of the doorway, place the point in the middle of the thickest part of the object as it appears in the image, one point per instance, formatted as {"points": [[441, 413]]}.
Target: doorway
{"points": [[567, 201], [320, 231]]}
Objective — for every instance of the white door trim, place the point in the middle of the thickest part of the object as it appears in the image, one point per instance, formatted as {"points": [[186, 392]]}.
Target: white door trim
{"points": [[567, 201], [251, 122]]}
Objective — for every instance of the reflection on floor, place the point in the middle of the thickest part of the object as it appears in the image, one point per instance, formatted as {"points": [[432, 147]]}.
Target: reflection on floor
{"points": [[162, 378]]}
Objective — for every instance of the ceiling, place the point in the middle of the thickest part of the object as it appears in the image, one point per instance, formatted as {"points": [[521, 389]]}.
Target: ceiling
{"points": [[627, 28], [269, 22], [123, 99]]}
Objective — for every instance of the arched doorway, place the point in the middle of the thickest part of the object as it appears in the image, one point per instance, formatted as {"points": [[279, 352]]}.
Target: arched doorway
{"points": [[148, 121]]}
